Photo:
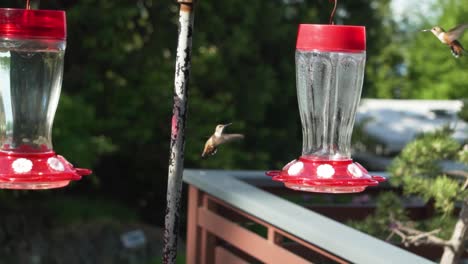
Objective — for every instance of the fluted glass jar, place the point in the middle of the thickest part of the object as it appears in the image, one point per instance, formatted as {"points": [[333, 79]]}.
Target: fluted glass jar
{"points": [[32, 48], [30, 82], [330, 64], [329, 88]]}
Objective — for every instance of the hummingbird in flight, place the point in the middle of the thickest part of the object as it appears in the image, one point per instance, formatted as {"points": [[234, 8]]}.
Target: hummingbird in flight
{"points": [[450, 38], [218, 138]]}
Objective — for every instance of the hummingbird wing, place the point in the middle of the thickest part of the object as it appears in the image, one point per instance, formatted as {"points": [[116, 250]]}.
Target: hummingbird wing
{"points": [[228, 138], [211, 145], [456, 32]]}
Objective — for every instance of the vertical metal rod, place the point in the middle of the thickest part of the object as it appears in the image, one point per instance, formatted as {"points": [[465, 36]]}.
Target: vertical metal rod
{"points": [[176, 158], [332, 15]]}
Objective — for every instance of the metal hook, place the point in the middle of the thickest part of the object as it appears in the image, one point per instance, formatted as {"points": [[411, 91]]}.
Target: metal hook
{"points": [[333, 12]]}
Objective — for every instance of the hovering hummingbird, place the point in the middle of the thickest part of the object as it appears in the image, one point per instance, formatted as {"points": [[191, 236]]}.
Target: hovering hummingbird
{"points": [[218, 138], [450, 37]]}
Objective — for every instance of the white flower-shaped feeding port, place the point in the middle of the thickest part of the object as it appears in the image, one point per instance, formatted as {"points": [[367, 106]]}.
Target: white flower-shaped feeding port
{"points": [[296, 168], [55, 164], [22, 165], [325, 171], [355, 170]]}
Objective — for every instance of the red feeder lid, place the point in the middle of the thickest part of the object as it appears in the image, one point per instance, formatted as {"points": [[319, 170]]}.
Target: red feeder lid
{"points": [[331, 38], [33, 24], [36, 170], [325, 176]]}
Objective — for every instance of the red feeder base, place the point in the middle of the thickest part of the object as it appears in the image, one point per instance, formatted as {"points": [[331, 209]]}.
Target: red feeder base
{"points": [[40, 170], [325, 176]]}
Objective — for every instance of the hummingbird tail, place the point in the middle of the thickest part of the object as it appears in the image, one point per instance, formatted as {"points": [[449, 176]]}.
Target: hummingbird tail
{"points": [[457, 49], [208, 152]]}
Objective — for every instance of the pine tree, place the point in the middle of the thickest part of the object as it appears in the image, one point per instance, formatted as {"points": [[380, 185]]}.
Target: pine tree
{"points": [[418, 171]]}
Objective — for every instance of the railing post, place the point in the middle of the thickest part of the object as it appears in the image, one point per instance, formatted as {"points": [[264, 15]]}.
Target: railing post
{"points": [[176, 158], [208, 240], [193, 230], [273, 236]]}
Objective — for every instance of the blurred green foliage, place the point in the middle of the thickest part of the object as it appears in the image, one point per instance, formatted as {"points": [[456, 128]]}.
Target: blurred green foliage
{"points": [[115, 109], [423, 67], [379, 223], [418, 171], [463, 114], [389, 208], [67, 210]]}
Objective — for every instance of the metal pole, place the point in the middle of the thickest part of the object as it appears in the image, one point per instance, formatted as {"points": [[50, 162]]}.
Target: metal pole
{"points": [[176, 158]]}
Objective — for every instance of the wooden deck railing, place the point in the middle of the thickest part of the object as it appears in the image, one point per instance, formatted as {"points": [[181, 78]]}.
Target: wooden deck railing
{"points": [[230, 220]]}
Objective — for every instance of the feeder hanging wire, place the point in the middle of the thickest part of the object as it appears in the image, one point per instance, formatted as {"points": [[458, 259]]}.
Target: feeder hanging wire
{"points": [[332, 15]]}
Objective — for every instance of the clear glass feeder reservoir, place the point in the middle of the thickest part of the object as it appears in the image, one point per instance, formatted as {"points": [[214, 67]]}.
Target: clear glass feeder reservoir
{"points": [[330, 62], [32, 47]]}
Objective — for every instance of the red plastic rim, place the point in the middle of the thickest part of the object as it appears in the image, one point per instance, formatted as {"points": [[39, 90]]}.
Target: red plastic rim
{"points": [[326, 176], [331, 38], [37, 170], [34, 24]]}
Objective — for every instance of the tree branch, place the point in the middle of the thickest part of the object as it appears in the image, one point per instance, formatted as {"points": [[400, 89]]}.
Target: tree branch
{"points": [[461, 173], [410, 236], [453, 254]]}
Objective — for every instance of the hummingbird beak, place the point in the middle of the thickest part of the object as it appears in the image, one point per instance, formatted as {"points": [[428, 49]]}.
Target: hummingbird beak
{"points": [[425, 30], [228, 124]]}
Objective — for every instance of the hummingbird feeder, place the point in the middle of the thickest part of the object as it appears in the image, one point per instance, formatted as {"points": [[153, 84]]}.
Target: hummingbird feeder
{"points": [[330, 62], [32, 47]]}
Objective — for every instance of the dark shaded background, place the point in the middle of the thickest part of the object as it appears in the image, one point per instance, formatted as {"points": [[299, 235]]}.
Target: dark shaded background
{"points": [[115, 109]]}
